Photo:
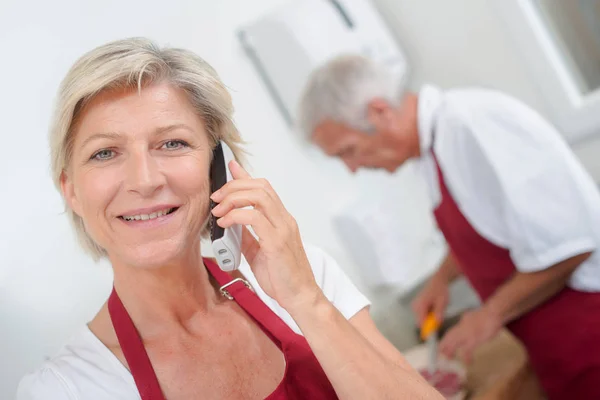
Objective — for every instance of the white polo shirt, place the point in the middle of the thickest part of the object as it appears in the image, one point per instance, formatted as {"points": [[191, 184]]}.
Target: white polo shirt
{"points": [[513, 177]]}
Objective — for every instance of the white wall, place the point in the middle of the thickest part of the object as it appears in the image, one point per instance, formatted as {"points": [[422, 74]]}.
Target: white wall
{"points": [[460, 42], [47, 286]]}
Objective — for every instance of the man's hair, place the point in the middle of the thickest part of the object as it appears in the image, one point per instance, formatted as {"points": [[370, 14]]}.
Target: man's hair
{"points": [[341, 90]]}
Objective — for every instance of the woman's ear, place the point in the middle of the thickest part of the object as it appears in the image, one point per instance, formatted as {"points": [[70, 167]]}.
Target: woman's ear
{"points": [[380, 114], [68, 191]]}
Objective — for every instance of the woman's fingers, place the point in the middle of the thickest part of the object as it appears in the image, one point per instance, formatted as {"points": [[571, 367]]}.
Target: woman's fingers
{"points": [[250, 246], [266, 232], [243, 181], [255, 198], [244, 191], [237, 171]]}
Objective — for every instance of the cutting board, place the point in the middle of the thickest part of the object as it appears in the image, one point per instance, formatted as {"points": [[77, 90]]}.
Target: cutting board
{"points": [[499, 371]]}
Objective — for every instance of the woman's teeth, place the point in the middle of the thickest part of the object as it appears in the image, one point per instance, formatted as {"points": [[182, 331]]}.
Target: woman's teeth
{"points": [[145, 217]]}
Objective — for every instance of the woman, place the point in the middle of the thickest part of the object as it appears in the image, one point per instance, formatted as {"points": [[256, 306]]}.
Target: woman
{"points": [[131, 146]]}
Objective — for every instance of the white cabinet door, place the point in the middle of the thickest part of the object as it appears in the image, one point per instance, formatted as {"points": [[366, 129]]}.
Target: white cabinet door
{"points": [[560, 43]]}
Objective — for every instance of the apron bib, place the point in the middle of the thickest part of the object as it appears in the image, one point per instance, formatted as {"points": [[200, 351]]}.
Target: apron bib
{"points": [[304, 378]]}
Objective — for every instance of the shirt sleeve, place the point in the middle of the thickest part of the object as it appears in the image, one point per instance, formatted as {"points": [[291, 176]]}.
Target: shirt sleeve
{"points": [[539, 182], [44, 384], [336, 285]]}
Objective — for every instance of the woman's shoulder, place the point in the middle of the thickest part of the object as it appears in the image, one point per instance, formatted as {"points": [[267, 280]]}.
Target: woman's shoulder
{"points": [[335, 283], [331, 278], [84, 368], [44, 383]]}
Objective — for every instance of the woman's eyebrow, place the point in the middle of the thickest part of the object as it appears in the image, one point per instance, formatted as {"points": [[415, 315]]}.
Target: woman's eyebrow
{"points": [[168, 128], [101, 135], [115, 135]]}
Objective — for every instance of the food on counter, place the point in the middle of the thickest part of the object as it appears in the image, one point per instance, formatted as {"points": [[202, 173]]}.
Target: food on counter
{"points": [[448, 383]]}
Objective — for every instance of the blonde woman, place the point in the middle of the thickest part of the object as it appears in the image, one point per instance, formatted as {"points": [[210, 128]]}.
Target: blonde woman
{"points": [[131, 141]]}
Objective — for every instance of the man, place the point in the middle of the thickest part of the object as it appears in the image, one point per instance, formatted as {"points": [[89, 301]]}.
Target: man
{"points": [[520, 214]]}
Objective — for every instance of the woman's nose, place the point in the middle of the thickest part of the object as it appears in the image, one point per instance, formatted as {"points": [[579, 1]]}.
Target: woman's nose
{"points": [[143, 174]]}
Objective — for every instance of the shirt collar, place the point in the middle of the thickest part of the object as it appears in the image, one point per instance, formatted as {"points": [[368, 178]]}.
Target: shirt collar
{"points": [[430, 101]]}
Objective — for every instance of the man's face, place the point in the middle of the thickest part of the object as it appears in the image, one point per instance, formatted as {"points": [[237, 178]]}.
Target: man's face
{"points": [[393, 140], [355, 148]]}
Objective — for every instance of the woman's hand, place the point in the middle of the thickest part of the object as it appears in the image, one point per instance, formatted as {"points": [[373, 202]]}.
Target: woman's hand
{"points": [[277, 258]]}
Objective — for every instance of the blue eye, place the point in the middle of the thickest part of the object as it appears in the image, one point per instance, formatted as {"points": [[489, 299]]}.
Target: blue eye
{"points": [[174, 144], [104, 154]]}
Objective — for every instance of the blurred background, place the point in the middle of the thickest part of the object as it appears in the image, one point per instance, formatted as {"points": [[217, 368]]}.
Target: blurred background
{"points": [[376, 225]]}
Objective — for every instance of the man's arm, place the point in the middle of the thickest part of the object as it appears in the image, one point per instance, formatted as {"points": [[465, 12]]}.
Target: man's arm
{"points": [[448, 270], [525, 291], [520, 294]]}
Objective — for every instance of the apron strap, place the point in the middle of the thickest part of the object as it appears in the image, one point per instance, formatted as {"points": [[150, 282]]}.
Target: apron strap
{"points": [[240, 291], [133, 349]]}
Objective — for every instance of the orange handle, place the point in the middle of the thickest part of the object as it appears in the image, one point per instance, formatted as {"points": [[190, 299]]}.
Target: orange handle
{"points": [[430, 325]]}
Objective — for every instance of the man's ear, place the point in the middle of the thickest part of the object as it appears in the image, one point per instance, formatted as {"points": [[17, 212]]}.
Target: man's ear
{"points": [[68, 191], [380, 114]]}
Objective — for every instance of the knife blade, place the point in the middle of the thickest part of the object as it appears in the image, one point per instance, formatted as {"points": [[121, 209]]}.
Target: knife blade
{"points": [[429, 330], [432, 349]]}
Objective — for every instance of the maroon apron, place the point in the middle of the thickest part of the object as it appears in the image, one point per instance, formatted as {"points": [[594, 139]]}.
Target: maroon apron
{"points": [[304, 378], [562, 335]]}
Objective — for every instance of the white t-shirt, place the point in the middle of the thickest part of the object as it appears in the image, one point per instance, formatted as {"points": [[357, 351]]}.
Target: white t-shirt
{"points": [[86, 369], [514, 178]]}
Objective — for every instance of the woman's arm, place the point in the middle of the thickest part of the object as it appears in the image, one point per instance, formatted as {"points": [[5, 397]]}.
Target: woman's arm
{"points": [[359, 362], [357, 367]]}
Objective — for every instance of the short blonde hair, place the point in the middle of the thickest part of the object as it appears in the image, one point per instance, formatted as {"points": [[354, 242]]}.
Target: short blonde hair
{"points": [[135, 63]]}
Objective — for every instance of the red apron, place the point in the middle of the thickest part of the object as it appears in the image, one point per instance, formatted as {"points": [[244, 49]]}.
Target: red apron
{"points": [[562, 336], [304, 378]]}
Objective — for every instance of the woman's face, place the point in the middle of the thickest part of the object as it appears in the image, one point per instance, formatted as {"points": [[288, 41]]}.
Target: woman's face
{"points": [[139, 175]]}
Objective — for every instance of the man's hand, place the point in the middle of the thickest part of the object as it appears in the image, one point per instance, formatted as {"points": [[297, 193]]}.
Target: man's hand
{"points": [[433, 297], [474, 329]]}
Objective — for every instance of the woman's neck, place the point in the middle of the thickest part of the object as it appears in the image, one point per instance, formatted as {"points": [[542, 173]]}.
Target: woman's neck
{"points": [[172, 294]]}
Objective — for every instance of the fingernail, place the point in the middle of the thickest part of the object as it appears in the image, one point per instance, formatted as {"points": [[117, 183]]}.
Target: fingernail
{"points": [[216, 209], [215, 195]]}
